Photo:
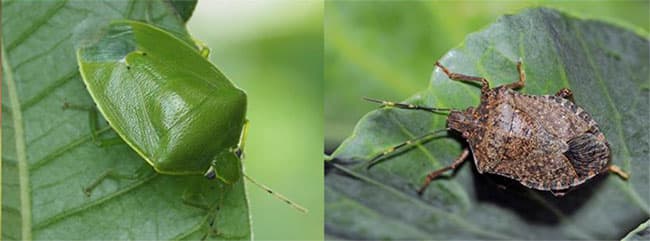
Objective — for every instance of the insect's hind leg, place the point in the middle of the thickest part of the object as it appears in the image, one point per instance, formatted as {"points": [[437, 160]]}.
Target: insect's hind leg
{"points": [[618, 171], [402, 145], [485, 85], [522, 78], [433, 175], [93, 123]]}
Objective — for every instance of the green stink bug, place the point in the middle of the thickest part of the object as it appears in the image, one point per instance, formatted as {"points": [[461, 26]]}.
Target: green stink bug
{"points": [[167, 101]]}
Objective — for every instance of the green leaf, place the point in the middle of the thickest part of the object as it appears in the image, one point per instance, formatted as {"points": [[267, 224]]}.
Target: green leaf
{"points": [[607, 68], [48, 157]]}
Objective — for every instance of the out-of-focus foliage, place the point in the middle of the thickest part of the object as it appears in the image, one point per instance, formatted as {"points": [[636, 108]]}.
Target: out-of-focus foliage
{"points": [[387, 49], [273, 50]]}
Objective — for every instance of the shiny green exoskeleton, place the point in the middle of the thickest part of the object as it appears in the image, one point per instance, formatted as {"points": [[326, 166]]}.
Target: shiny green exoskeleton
{"points": [[165, 100]]}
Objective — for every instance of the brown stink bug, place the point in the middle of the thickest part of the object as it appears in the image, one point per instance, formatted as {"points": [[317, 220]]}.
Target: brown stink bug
{"points": [[545, 142]]}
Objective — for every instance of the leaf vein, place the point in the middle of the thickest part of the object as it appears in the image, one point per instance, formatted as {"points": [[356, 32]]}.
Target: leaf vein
{"points": [[48, 90], [44, 53], [21, 150], [63, 149], [36, 25], [452, 217], [74, 211]]}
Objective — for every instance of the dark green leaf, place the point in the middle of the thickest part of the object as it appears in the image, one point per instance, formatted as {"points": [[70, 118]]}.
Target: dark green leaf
{"points": [[184, 8], [607, 68], [642, 232], [48, 157]]}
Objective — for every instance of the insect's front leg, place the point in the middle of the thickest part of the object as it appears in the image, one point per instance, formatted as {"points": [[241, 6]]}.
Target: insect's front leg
{"points": [[194, 196], [566, 94], [433, 175], [203, 48], [242, 140], [485, 85], [195, 199], [212, 230], [522, 78], [401, 146]]}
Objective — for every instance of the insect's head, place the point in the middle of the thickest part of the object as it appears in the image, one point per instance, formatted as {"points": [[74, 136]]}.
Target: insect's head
{"points": [[462, 121]]}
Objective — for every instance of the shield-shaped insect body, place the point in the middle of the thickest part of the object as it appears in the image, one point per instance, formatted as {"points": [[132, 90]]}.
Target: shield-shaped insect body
{"points": [[545, 142], [166, 100]]}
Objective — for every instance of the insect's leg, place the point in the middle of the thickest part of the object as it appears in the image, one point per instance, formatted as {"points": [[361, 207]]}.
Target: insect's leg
{"points": [[436, 173], [212, 228], [522, 78], [406, 106], [242, 140], [558, 193], [110, 173], [485, 86], [618, 171], [194, 197], [397, 147], [203, 48], [194, 200], [566, 94], [93, 123]]}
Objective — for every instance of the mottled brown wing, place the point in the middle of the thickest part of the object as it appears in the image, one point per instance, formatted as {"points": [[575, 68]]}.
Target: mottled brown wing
{"points": [[552, 172], [588, 155], [558, 116]]}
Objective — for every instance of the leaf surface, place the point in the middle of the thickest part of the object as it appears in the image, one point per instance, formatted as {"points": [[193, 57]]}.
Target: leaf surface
{"points": [[48, 156], [642, 232], [606, 66]]}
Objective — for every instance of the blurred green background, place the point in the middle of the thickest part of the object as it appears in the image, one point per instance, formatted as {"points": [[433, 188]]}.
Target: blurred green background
{"points": [[387, 49], [273, 50]]}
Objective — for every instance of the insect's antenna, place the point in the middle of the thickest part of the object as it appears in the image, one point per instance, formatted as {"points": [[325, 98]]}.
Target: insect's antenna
{"points": [[406, 106], [397, 147], [277, 195]]}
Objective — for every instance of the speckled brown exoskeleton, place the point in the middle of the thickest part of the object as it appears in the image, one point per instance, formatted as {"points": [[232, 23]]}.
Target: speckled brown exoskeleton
{"points": [[545, 142]]}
